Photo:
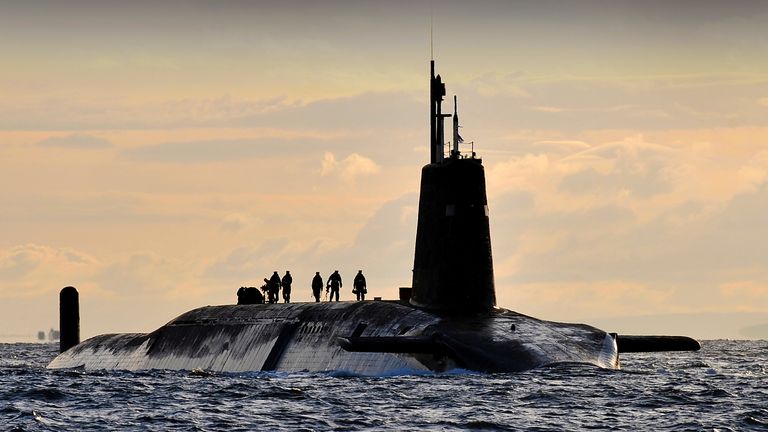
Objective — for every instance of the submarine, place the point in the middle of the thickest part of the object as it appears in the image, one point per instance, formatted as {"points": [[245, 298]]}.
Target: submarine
{"points": [[447, 320]]}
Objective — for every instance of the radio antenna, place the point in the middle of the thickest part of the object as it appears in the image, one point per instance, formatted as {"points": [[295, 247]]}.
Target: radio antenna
{"points": [[431, 32]]}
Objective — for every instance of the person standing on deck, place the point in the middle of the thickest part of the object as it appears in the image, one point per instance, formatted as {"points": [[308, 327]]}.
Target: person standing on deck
{"points": [[274, 288], [334, 283], [359, 287], [317, 286], [286, 283]]}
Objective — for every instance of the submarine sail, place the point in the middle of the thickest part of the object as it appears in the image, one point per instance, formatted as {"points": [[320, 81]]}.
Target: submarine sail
{"points": [[453, 264], [449, 320]]}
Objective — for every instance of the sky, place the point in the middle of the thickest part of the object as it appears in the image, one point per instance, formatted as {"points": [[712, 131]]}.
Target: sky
{"points": [[159, 156]]}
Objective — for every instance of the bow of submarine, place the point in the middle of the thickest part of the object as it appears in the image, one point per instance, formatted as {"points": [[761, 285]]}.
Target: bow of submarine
{"points": [[498, 341]]}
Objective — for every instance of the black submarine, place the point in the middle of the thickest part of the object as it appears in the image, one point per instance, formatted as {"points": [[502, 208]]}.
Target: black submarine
{"points": [[447, 320]]}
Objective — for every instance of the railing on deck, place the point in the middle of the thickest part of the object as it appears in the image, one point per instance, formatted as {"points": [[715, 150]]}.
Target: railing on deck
{"points": [[449, 153]]}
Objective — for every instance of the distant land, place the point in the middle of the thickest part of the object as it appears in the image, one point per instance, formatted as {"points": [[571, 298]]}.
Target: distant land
{"points": [[17, 337]]}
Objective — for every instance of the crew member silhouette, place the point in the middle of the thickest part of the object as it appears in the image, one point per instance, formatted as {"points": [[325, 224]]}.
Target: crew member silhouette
{"points": [[286, 283], [274, 287], [358, 286], [334, 283], [317, 286], [265, 289]]}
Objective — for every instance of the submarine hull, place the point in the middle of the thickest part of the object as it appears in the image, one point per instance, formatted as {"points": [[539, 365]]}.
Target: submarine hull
{"points": [[367, 338]]}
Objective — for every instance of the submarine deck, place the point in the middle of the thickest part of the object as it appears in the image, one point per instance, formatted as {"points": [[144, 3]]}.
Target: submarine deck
{"points": [[369, 337]]}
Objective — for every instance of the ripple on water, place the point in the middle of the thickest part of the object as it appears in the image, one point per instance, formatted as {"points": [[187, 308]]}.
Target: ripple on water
{"points": [[279, 392], [752, 419], [41, 394], [573, 397]]}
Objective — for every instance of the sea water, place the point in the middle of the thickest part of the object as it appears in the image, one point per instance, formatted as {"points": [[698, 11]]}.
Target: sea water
{"points": [[722, 387]]}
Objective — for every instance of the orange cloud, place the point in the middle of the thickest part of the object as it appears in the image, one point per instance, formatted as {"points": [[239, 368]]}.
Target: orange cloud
{"points": [[349, 168], [745, 289]]}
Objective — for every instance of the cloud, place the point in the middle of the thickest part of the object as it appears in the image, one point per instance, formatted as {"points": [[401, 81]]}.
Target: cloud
{"points": [[495, 84], [112, 290], [549, 109], [644, 176], [248, 263], [236, 222], [205, 150], [526, 101], [565, 145], [95, 210], [588, 297], [76, 141], [699, 265], [641, 102], [297, 145], [754, 173], [400, 110], [362, 111], [673, 226], [32, 269], [390, 231], [382, 247], [349, 168], [744, 289], [642, 180], [141, 274]]}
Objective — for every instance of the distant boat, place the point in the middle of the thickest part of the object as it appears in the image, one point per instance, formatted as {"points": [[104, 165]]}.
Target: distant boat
{"points": [[447, 320]]}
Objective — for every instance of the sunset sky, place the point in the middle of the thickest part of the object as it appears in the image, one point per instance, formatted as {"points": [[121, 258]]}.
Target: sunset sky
{"points": [[159, 155]]}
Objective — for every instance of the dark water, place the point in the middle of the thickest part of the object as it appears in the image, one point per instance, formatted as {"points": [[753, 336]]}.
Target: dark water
{"points": [[722, 387]]}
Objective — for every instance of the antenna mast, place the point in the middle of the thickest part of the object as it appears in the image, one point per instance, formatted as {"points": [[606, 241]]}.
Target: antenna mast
{"points": [[436, 116], [431, 32], [436, 93]]}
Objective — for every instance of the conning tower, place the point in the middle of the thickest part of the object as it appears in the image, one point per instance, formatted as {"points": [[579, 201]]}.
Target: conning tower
{"points": [[453, 267]]}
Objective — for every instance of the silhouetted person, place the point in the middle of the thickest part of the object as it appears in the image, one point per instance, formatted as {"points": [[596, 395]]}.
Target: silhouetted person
{"points": [[265, 290], [286, 283], [273, 285], [317, 286], [358, 286], [334, 283]]}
